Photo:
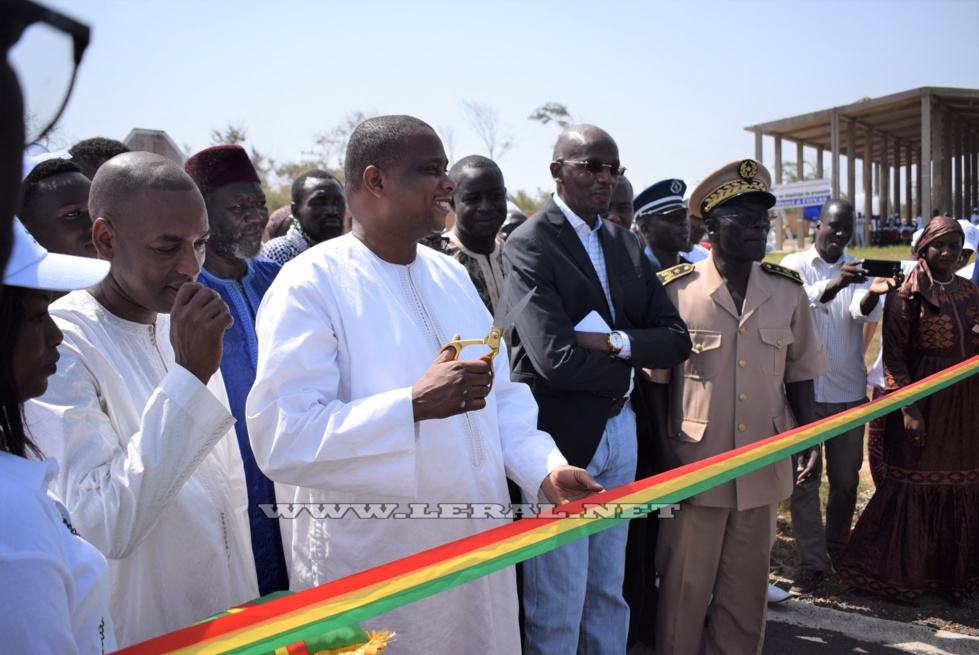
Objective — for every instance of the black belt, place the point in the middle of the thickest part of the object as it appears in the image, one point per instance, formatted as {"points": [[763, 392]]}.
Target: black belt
{"points": [[616, 408]]}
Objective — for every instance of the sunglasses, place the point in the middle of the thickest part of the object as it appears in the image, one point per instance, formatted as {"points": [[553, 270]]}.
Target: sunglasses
{"points": [[750, 221], [594, 167]]}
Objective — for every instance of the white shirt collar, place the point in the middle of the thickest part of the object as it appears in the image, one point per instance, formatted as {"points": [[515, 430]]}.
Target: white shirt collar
{"points": [[577, 223], [813, 256]]}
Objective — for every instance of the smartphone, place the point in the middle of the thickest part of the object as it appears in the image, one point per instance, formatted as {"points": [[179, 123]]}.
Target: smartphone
{"points": [[881, 267]]}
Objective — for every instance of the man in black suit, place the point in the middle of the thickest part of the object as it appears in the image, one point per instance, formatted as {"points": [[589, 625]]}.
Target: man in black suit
{"points": [[598, 314]]}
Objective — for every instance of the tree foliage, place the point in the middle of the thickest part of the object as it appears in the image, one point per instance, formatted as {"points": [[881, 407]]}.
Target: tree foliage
{"points": [[485, 121], [529, 202], [553, 112], [330, 148]]}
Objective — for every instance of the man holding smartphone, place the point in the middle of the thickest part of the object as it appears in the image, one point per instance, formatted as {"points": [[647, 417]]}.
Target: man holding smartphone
{"points": [[842, 300]]}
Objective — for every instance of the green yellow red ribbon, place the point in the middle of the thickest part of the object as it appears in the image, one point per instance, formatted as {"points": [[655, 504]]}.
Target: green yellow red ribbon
{"points": [[263, 628]]}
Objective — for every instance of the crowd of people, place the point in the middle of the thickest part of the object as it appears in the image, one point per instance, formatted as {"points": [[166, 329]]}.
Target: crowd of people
{"points": [[174, 376]]}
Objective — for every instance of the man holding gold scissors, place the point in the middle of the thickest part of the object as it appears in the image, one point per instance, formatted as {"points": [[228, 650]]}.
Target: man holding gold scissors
{"points": [[361, 404]]}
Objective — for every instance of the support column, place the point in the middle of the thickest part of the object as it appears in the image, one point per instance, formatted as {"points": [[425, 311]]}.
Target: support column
{"points": [[819, 163], [885, 178], [975, 167], [908, 196], [924, 162], [970, 170], [973, 162], [897, 176], [851, 160], [917, 185], [758, 144], [947, 162], [834, 139], [973, 173], [800, 170], [778, 160], [868, 180], [957, 162]]}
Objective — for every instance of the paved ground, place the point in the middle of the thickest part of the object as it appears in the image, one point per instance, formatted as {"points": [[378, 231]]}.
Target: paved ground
{"points": [[802, 629]]}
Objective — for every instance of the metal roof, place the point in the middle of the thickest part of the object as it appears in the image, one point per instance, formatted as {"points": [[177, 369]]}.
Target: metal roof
{"points": [[897, 116]]}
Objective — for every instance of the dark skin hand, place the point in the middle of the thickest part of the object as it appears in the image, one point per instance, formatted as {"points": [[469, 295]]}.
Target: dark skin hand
{"points": [[594, 341], [879, 287], [914, 424], [198, 321], [802, 400], [851, 273], [451, 387], [566, 484], [448, 382]]}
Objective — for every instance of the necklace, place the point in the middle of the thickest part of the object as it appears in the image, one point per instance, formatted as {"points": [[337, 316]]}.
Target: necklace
{"points": [[944, 284]]}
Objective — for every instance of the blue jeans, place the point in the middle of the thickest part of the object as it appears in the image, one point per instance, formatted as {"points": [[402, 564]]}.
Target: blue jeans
{"points": [[573, 594]]}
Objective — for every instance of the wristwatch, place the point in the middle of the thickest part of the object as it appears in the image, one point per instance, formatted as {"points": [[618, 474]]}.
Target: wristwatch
{"points": [[615, 342]]}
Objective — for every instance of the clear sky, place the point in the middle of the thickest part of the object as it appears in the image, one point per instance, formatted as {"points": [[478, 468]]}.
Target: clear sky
{"points": [[675, 83]]}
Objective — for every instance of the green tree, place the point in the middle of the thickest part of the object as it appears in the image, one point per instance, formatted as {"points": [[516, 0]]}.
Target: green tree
{"points": [[553, 112], [529, 202]]}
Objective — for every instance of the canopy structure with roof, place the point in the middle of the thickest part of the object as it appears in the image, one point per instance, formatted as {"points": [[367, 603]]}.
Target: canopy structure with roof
{"points": [[931, 133]]}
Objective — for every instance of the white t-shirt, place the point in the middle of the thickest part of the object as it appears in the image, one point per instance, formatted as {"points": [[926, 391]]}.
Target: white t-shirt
{"points": [[55, 592]]}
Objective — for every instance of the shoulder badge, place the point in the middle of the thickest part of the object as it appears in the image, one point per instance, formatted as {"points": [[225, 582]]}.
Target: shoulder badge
{"points": [[792, 274], [674, 273]]}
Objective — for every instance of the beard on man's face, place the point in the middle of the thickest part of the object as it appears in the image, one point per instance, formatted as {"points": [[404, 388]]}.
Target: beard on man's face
{"points": [[236, 246]]}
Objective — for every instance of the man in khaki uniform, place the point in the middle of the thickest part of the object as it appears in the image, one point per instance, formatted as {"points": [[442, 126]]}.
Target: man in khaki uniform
{"points": [[756, 351]]}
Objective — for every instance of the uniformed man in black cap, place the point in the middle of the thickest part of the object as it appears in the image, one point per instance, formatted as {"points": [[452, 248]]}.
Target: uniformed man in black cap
{"points": [[661, 217]]}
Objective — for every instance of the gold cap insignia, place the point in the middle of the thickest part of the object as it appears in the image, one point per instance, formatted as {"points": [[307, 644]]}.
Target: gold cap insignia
{"points": [[748, 169]]}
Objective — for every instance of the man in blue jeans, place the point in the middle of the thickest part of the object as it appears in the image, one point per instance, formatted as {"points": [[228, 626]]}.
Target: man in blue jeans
{"points": [[597, 314]]}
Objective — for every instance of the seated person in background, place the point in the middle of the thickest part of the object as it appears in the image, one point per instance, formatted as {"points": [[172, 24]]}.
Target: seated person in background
{"points": [[54, 207], [139, 418], [90, 154]]}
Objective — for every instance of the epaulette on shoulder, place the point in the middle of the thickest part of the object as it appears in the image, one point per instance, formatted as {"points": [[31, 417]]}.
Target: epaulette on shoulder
{"points": [[790, 273], [674, 273]]}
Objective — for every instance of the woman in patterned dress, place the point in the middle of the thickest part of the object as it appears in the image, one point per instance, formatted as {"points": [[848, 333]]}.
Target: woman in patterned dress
{"points": [[920, 531]]}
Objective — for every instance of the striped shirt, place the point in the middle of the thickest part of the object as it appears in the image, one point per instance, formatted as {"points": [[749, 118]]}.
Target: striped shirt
{"points": [[593, 246]]}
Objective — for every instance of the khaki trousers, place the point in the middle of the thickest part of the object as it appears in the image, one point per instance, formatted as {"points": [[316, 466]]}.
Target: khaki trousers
{"points": [[719, 551]]}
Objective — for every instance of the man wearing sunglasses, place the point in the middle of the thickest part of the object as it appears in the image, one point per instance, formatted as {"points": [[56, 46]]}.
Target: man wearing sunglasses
{"points": [[756, 351], [597, 314]]}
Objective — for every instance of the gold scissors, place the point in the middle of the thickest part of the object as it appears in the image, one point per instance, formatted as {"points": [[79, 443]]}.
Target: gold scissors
{"points": [[501, 323]]}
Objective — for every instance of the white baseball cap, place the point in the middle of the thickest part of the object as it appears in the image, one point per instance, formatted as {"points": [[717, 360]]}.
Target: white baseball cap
{"points": [[32, 266]]}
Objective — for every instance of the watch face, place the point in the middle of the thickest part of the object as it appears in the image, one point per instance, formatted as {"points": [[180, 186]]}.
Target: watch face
{"points": [[616, 340]]}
